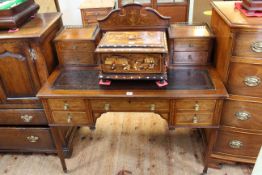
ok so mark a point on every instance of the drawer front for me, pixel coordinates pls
(70, 118)
(66, 104)
(26, 139)
(238, 143)
(23, 117)
(130, 105)
(73, 57)
(195, 105)
(95, 12)
(194, 58)
(248, 44)
(242, 114)
(191, 45)
(245, 79)
(193, 119)
(76, 46)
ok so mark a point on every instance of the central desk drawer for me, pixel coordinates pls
(69, 118)
(66, 104)
(195, 105)
(130, 105)
(203, 119)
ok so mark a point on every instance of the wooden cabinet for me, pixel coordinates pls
(176, 9)
(190, 44)
(76, 46)
(27, 58)
(238, 57)
(92, 10)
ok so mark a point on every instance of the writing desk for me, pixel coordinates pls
(72, 97)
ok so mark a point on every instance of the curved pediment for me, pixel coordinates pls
(134, 16)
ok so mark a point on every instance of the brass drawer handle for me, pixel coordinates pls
(107, 107)
(69, 118)
(27, 118)
(66, 106)
(257, 46)
(236, 144)
(197, 107)
(252, 81)
(152, 107)
(195, 119)
(242, 115)
(32, 139)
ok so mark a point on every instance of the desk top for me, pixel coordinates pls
(183, 82)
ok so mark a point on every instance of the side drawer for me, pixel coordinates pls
(245, 79)
(237, 143)
(195, 105)
(191, 45)
(27, 139)
(242, 114)
(22, 117)
(194, 120)
(130, 105)
(248, 44)
(71, 118)
(191, 58)
(66, 104)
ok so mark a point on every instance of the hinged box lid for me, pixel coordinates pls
(133, 41)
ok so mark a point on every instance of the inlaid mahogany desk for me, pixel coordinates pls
(72, 97)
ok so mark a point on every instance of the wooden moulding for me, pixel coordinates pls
(18, 15)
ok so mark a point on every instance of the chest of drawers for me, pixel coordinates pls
(91, 10)
(238, 58)
(27, 58)
(190, 44)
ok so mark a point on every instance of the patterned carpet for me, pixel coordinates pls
(124, 144)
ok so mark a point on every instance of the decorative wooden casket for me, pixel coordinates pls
(134, 44)
(133, 55)
(17, 15)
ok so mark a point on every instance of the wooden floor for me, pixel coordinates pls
(124, 144)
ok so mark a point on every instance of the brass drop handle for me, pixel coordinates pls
(242, 115)
(69, 118)
(190, 45)
(107, 107)
(257, 47)
(32, 139)
(235, 144)
(252, 81)
(195, 119)
(197, 107)
(152, 107)
(27, 118)
(66, 106)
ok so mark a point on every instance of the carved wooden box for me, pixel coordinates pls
(133, 55)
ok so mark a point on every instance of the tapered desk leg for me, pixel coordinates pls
(59, 147)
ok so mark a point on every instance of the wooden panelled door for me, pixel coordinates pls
(176, 9)
(17, 72)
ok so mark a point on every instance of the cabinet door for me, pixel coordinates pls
(18, 78)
